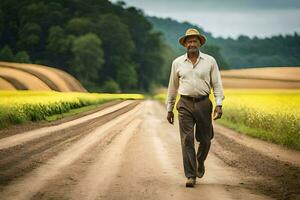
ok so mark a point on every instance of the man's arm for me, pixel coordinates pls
(217, 83)
(172, 93)
(217, 89)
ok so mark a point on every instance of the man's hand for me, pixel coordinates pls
(217, 112)
(170, 117)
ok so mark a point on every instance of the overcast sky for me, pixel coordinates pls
(262, 18)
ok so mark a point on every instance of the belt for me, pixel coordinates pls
(199, 98)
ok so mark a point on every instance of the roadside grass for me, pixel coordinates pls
(18, 107)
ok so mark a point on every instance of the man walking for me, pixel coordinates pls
(192, 76)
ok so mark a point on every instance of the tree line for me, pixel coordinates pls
(275, 51)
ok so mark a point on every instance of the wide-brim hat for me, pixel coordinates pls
(192, 32)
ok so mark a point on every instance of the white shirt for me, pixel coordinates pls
(194, 80)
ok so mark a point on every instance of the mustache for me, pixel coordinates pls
(192, 49)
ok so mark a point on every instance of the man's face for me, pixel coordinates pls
(192, 44)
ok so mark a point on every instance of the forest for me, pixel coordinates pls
(108, 47)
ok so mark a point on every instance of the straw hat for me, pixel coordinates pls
(192, 32)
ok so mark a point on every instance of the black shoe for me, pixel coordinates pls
(200, 170)
(190, 182)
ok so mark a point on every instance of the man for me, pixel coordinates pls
(192, 76)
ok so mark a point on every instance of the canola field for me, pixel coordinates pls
(20, 106)
(268, 114)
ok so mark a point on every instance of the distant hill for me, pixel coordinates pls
(172, 30)
(243, 52)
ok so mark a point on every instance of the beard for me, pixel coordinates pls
(192, 50)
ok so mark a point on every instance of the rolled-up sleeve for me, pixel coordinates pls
(172, 88)
(217, 83)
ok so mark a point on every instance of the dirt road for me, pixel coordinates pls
(129, 151)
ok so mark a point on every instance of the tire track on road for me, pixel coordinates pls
(103, 172)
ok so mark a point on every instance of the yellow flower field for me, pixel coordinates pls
(20, 106)
(272, 115)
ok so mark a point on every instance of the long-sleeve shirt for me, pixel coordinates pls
(194, 80)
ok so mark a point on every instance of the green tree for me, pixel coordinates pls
(119, 48)
(216, 53)
(22, 57)
(169, 56)
(88, 58)
(58, 48)
(6, 54)
(79, 26)
(111, 86)
(1, 22)
(29, 35)
(57, 41)
(126, 76)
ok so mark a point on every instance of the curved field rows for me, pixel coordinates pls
(22, 80)
(42, 77)
(254, 83)
(267, 73)
(6, 84)
(268, 77)
(73, 84)
(55, 79)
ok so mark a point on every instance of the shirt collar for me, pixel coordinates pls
(199, 56)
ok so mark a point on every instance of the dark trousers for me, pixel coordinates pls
(191, 113)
